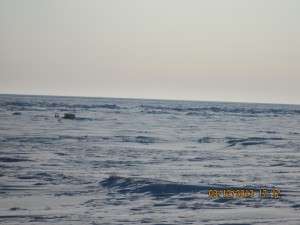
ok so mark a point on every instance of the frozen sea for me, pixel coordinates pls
(134, 161)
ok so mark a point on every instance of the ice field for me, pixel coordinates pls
(131, 161)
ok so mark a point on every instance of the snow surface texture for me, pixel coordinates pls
(123, 161)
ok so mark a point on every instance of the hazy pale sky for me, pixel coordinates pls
(214, 50)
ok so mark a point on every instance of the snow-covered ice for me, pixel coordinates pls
(125, 161)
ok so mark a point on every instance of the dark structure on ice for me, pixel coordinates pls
(69, 116)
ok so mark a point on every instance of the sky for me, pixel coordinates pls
(207, 50)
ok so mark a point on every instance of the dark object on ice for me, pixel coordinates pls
(17, 113)
(15, 208)
(56, 115)
(70, 116)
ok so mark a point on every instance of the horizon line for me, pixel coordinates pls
(162, 99)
